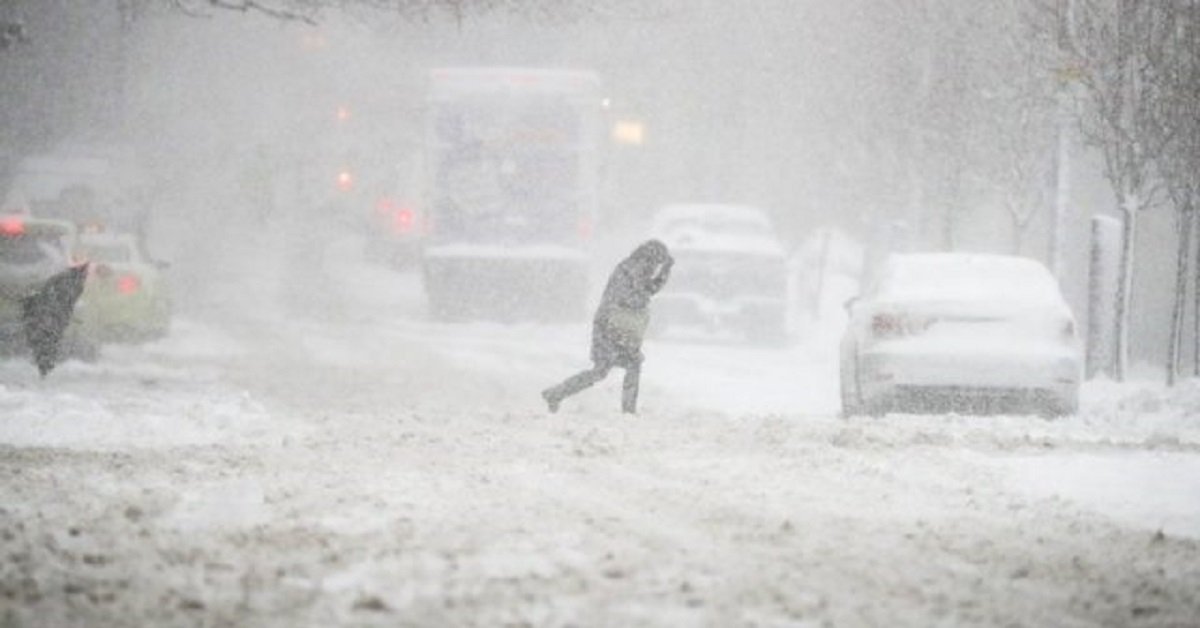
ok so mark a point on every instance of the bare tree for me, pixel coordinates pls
(925, 121)
(1113, 43)
(1176, 67)
(1020, 89)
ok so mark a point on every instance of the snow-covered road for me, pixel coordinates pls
(294, 459)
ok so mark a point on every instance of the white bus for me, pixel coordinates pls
(511, 161)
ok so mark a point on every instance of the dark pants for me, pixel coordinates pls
(599, 370)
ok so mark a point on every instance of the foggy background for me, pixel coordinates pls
(895, 122)
(312, 444)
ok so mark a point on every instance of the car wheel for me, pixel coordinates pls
(1060, 407)
(877, 409)
(851, 406)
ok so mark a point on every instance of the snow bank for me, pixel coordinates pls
(1152, 490)
(133, 400)
(1166, 417)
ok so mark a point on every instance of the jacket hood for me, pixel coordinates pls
(651, 251)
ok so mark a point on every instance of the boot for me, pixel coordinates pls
(552, 399)
(629, 389)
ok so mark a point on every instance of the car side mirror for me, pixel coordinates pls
(850, 303)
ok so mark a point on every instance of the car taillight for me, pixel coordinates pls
(891, 325)
(12, 226)
(884, 325)
(585, 227)
(402, 220)
(128, 284)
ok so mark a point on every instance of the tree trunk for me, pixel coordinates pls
(1124, 289)
(1183, 250)
(1018, 230)
(1196, 305)
(1062, 185)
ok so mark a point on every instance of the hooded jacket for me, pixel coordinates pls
(623, 314)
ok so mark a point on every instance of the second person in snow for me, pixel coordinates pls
(620, 324)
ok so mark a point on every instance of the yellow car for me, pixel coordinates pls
(126, 294)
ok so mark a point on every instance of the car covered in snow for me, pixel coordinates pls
(32, 250)
(730, 272)
(976, 333)
(126, 294)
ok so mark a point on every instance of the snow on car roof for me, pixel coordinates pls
(967, 276)
(36, 226)
(711, 213)
(716, 227)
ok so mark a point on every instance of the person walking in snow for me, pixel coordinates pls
(46, 314)
(620, 324)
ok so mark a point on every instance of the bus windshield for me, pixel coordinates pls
(508, 167)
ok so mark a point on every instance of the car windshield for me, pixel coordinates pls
(26, 249)
(731, 221)
(967, 279)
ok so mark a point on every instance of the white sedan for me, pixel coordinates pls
(960, 332)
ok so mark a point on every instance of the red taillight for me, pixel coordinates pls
(128, 284)
(885, 325)
(889, 325)
(12, 226)
(402, 220)
(585, 227)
